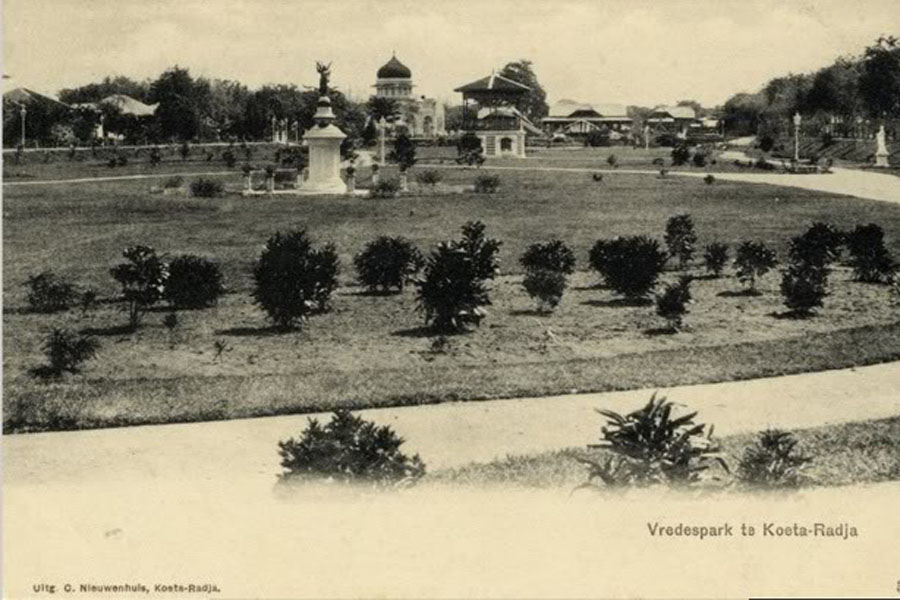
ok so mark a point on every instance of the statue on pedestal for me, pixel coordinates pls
(324, 73)
(881, 151)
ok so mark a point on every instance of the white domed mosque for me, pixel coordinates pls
(423, 117)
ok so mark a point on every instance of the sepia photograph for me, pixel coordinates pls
(450, 299)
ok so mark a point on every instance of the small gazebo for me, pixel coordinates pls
(497, 122)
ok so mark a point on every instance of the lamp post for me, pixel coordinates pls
(797, 119)
(22, 112)
(383, 126)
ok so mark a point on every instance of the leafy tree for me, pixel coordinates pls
(451, 293)
(869, 257)
(481, 249)
(404, 152)
(533, 104)
(182, 103)
(715, 256)
(380, 107)
(752, 261)
(672, 304)
(819, 246)
(48, 292)
(681, 238)
(94, 92)
(143, 280)
(804, 286)
(193, 282)
(880, 79)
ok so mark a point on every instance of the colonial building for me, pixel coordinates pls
(489, 112)
(423, 117)
(677, 120)
(578, 118)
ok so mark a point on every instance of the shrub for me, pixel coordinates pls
(229, 157)
(387, 263)
(819, 246)
(613, 161)
(175, 181)
(804, 286)
(546, 287)
(681, 154)
(386, 188)
(681, 238)
(709, 179)
(404, 152)
(597, 256)
(699, 159)
(122, 160)
(487, 184)
(450, 292)
(468, 142)
(430, 177)
(549, 256)
(112, 163)
(715, 256)
(66, 351)
(650, 446)
(481, 250)
(206, 188)
(193, 282)
(762, 163)
(349, 449)
(292, 279)
(752, 261)
(155, 157)
(184, 150)
(48, 292)
(630, 265)
(766, 143)
(672, 304)
(143, 280)
(772, 461)
(868, 255)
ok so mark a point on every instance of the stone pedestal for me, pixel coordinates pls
(324, 142)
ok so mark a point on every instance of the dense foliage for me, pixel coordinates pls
(773, 461)
(193, 282)
(349, 449)
(545, 286)
(387, 263)
(48, 292)
(553, 255)
(66, 351)
(292, 279)
(681, 238)
(869, 257)
(629, 265)
(143, 280)
(672, 303)
(715, 256)
(753, 260)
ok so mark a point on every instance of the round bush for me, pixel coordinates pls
(804, 287)
(349, 449)
(194, 282)
(387, 263)
(206, 188)
(672, 304)
(549, 256)
(630, 265)
(868, 255)
(715, 256)
(47, 293)
(451, 292)
(546, 287)
(293, 279)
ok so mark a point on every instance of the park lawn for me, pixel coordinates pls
(844, 454)
(373, 351)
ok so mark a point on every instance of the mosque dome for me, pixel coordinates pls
(394, 69)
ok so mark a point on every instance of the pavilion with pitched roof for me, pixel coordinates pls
(489, 111)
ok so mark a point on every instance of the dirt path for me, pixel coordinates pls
(445, 435)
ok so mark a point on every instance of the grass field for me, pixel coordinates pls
(373, 351)
(849, 453)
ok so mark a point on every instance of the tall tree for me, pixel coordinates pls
(880, 80)
(94, 92)
(534, 104)
(379, 107)
(182, 103)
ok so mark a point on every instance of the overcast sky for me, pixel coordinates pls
(630, 51)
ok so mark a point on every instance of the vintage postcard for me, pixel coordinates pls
(451, 299)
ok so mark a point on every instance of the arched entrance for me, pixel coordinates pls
(506, 145)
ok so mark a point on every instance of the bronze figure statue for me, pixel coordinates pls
(324, 73)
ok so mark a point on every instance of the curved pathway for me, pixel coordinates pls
(446, 435)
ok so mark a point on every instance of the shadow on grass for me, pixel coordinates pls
(747, 293)
(792, 315)
(530, 312)
(619, 302)
(423, 331)
(654, 331)
(108, 331)
(266, 331)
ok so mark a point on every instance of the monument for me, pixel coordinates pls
(324, 142)
(881, 151)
